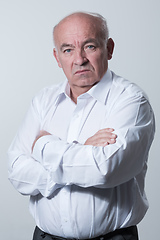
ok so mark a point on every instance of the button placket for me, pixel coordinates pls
(74, 128)
(64, 211)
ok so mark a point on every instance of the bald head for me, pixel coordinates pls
(96, 20)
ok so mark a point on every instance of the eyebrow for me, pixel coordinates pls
(64, 45)
(90, 40)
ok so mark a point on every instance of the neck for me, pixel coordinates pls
(75, 93)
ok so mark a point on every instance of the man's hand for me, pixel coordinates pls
(102, 138)
(41, 134)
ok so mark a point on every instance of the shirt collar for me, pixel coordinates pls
(64, 91)
(99, 92)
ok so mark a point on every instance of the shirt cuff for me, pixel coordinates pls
(40, 144)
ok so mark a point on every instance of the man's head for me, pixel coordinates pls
(82, 49)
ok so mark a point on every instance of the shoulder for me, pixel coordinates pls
(125, 88)
(127, 102)
(49, 91)
(48, 94)
(45, 100)
(125, 95)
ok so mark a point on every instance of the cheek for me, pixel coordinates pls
(98, 65)
(99, 61)
(66, 66)
(63, 61)
(101, 66)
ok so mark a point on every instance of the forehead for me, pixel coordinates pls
(77, 28)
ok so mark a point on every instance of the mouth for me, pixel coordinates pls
(79, 72)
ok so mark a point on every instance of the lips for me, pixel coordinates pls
(82, 71)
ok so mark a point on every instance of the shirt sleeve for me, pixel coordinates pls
(26, 174)
(103, 167)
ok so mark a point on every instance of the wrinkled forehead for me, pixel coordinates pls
(77, 26)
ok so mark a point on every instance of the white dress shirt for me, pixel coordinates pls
(81, 191)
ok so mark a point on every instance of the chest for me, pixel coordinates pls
(75, 122)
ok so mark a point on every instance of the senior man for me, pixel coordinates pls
(81, 152)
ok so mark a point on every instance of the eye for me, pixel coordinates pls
(67, 50)
(90, 47)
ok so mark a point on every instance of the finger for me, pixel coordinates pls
(105, 135)
(113, 136)
(106, 140)
(113, 140)
(109, 129)
(105, 130)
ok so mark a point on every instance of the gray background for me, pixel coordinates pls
(27, 65)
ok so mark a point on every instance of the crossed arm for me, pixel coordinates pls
(101, 138)
(31, 176)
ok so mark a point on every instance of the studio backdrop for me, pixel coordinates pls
(27, 65)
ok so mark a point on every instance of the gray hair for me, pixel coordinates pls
(103, 24)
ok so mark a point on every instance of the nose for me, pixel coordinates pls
(80, 57)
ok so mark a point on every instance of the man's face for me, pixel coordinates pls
(81, 52)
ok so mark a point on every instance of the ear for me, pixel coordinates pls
(55, 54)
(110, 47)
